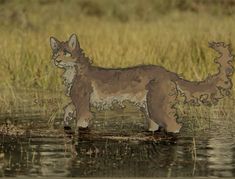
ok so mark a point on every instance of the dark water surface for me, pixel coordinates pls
(205, 153)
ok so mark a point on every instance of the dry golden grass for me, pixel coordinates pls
(183, 48)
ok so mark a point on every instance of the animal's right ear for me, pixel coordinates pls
(54, 43)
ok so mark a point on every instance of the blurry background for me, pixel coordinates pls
(113, 33)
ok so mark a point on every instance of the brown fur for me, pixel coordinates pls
(149, 87)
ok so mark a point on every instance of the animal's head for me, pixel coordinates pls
(65, 54)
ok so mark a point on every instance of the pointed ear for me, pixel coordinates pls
(54, 43)
(73, 42)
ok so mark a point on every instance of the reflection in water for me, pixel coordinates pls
(222, 150)
(62, 157)
(70, 156)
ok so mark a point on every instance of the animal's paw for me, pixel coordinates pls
(82, 123)
(153, 126)
(68, 130)
(84, 120)
(174, 128)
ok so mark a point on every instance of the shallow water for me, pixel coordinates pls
(205, 153)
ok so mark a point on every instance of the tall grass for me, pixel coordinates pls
(174, 34)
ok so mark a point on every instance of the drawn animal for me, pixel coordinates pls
(151, 88)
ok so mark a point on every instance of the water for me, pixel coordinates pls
(51, 152)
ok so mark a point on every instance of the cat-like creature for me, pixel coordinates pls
(153, 89)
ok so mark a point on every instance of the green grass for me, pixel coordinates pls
(174, 34)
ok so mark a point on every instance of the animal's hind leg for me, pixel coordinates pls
(82, 105)
(161, 97)
(152, 126)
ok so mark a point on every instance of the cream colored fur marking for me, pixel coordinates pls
(105, 101)
(69, 112)
(68, 77)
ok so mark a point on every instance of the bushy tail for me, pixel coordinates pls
(213, 87)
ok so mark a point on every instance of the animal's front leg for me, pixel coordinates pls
(69, 113)
(82, 104)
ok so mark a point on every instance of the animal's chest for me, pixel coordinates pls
(68, 77)
(102, 100)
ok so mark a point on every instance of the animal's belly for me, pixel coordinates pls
(105, 101)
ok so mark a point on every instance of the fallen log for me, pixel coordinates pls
(141, 136)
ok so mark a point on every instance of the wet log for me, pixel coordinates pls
(139, 137)
(87, 134)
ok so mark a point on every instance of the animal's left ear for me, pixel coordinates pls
(54, 43)
(73, 42)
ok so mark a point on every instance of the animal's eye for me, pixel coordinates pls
(67, 54)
